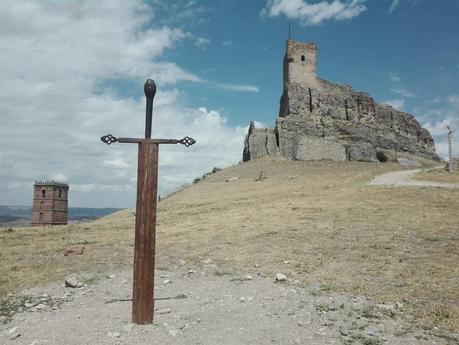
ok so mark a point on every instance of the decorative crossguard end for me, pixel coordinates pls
(187, 141)
(109, 139)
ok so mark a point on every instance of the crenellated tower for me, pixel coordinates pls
(50, 203)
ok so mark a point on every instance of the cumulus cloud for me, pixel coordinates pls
(309, 13)
(58, 62)
(436, 119)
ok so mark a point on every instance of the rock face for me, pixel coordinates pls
(319, 119)
(259, 142)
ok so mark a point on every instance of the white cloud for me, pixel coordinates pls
(58, 59)
(237, 87)
(436, 121)
(202, 42)
(227, 43)
(398, 87)
(309, 13)
(396, 103)
(394, 5)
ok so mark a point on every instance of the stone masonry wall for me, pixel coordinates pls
(50, 204)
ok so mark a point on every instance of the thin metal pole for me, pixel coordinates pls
(450, 150)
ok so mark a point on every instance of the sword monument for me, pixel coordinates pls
(145, 219)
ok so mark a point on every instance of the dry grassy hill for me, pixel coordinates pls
(317, 222)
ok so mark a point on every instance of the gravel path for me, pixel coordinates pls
(404, 179)
(218, 309)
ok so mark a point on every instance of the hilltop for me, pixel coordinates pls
(319, 223)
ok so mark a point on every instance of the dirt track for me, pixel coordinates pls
(404, 178)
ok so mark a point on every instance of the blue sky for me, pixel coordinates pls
(407, 54)
(72, 71)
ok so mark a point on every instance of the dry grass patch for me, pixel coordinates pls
(438, 175)
(388, 244)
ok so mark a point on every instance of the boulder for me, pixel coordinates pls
(362, 151)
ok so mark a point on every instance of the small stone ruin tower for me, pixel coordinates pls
(50, 203)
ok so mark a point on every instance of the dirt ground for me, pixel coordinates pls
(319, 223)
(208, 308)
(414, 178)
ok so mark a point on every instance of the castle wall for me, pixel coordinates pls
(311, 148)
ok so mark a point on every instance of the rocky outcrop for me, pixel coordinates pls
(319, 119)
(259, 142)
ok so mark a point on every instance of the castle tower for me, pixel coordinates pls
(50, 203)
(300, 69)
(300, 64)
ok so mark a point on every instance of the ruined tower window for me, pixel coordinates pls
(40, 217)
(60, 193)
(303, 59)
(42, 204)
(43, 193)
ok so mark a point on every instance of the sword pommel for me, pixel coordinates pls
(150, 88)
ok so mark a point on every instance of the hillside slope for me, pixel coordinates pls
(317, 222)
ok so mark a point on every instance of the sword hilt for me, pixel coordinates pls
(150, 91)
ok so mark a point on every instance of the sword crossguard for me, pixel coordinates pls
(109, 139)
(187, 141)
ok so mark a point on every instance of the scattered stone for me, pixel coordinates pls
(110, 276)
(281, 277)
(166, 281)
(232, 179)
(73, 282)
(74, 250)
(15, 336)
(248, 277)
(40, 307)
(173, 332)
(116, 335)
(164, 311)
(242, 299)
(12, 330)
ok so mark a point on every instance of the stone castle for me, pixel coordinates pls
(319, 120)
(50, 203)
